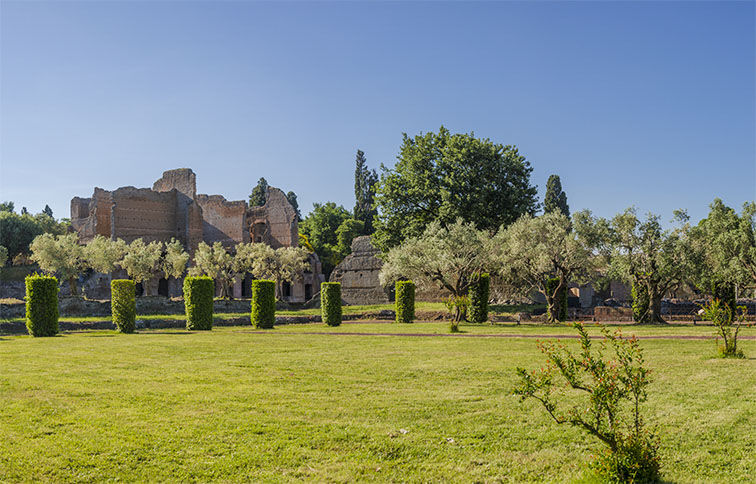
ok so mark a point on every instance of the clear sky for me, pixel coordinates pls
(631, 103)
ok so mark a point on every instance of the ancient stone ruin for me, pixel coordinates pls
(172, 208)
(358, 274)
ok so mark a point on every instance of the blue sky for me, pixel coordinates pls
(631, 103)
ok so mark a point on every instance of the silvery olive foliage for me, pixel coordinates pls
(534, 249)
(142, 260)
(175, 259)
(61, 254)
(442, 257)
(103, 254)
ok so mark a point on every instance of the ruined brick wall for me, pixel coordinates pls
(144, 213)
(281, 220)
(91, 216)
(223, 220)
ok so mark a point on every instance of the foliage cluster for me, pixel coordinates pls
(17, 231)
(123, 304)
(42, 305)
(198, 302)
(609, 390)
(263, 310)
(405, 301)
(639, 295)
(458, 307)
(728, 326)
(330, 303)
(442, 177)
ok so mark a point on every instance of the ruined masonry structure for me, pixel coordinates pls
(173, 209)
(358, 274)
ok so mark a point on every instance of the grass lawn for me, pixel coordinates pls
(238, 405)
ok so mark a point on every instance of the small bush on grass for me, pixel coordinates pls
(42, 305)
(721, 315)
(457, 307)
(725, 293)
(330, 303)
(263, 304)
(198, 301)
(123, 304)
(480, 291)
(405, 301)
(639, 295)
(611, 412)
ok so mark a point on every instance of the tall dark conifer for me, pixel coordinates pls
(365, 181)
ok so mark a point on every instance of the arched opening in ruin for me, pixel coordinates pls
(139, 289)
(308, 292)
(286, 289)
(163, 287)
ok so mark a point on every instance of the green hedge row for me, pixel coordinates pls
(123, 304)
(42, 305)
(198, 301)
(330, 303)
(551, 285)
(405, 301)
(263, 313)
(480, 291)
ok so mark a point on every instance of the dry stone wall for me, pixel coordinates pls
(358, 274)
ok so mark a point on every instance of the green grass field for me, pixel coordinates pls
(283, 405)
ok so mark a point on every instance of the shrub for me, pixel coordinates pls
(561, 300)
(42, 305)
(725, 292)
(198, 301)
(613, 389)
(405, 301)
(639, 295)
(457, 307)
(721, 315)
(480, 290)
(123, 304)
(263, 304)
(330, 303)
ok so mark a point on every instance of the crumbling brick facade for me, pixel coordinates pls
(173, 209)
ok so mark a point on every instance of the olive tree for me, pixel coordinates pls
(142, 260)
(535, 249)
(284, 264)
(650, 257)
(446, 257)
(60, 254)
(175, 259)
(725, 243)
(216, 262)
(103, 254)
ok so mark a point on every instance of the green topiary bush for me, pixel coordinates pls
(263, 304)
(405, 301)
(198, 301)
(480, 291)
(639, 295)
(330, 303)
(42, 305)
(123, 304)
(551, 285)
(725, 292)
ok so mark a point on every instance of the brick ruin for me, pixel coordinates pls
(172, 208)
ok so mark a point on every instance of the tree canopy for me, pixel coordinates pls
(555, 199)
(365, 181)
(327, 228)
(257, 197)
(443, 177)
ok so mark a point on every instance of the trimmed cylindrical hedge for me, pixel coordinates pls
(405, 301)
(480, 290)
(198, 301)
(263, 313)
(42, 305)
(123, 304)
(330, 303)
(639, 295)
(551, 285)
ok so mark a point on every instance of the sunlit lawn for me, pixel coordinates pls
(237, 405)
